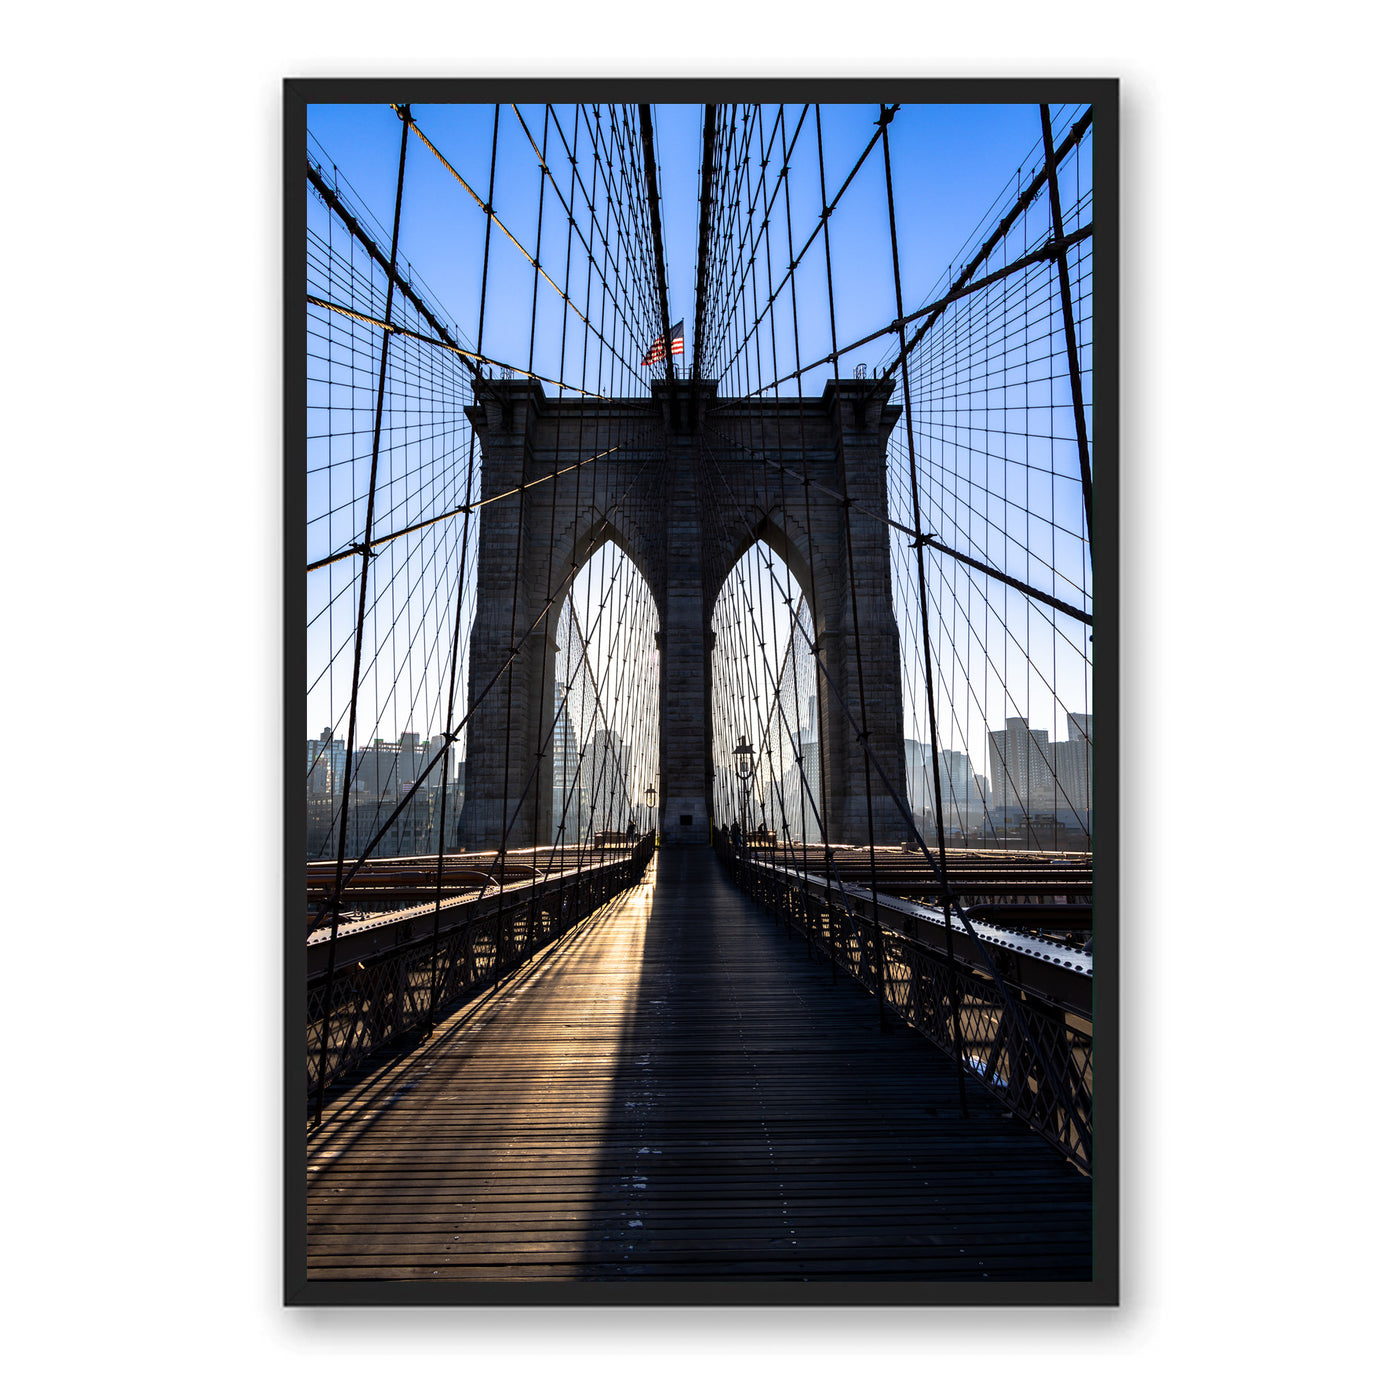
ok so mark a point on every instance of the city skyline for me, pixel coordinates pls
(1026, 776)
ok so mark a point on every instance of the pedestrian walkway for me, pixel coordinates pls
(678, 1090)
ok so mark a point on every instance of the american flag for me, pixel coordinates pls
(657, 353)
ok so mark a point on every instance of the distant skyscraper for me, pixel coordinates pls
(375, 769)
(317, 769)
(963, 792)
(794, 805)
(568, 801)
(1074, 764)
(918, 775)
(1021, 773)
(410, 761)
(606, 774)
(325, 764)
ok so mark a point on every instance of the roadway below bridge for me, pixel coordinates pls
(678, 1090)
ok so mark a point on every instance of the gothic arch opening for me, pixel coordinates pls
(764, 719)
(606, 701)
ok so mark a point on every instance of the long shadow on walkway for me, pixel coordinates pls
(679, 1091)
(762, 1126)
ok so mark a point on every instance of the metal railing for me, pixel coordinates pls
(1014, 1010)
(380, 993)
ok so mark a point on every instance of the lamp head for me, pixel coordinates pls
(744, 758)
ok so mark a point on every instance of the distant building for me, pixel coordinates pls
(605, 771)
(918, 772)
(965, 796)
(1073, 761)
(1042, 793)
(784, 802)
(1022, 775)
(386, 767)
(413, 832)
(374, 769)
(568, 799)
(792, 806)
(380, 776)
(411, 761)
(800, 808)
(963, 792)
(325, 764)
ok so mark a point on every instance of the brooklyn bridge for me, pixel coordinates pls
(699, 693)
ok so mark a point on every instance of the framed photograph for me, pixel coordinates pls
(701, 736)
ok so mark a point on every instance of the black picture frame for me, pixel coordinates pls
(1103, 1290)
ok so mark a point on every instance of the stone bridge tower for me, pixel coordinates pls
(684, 482)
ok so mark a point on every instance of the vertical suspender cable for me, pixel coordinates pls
(457, 621)
(823, 711)
(1067, 310)
(515, 578)
(360, 632)
(935, 754)
(851, 578)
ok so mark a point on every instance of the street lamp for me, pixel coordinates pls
(745, 765)
(651, 803)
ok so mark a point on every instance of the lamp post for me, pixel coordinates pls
(651, 805)
(745, 765)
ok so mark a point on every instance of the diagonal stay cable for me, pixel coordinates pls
(334, 907)
(495, 219)
(1022, 203)
(447, 345)
(473, 505)
(919, 539)
(564, 204)
(887, 114)
(1048, 251)
(606, 519)
(902, 807)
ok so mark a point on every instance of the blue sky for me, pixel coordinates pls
(951, 163)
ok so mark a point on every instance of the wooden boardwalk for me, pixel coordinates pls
(677, 1091)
